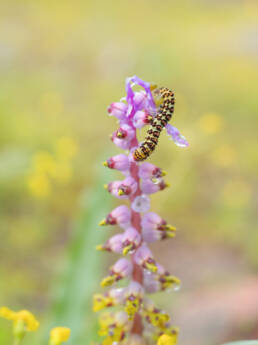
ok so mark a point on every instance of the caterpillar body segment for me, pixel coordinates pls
(165, 112)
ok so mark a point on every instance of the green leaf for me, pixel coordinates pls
(82, 272)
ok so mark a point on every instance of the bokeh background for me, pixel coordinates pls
(61, 64)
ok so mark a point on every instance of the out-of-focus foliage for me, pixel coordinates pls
(247, 342)
(61, 64)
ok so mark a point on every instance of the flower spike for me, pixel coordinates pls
(144, 104)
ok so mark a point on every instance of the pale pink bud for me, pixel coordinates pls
(121, 216)
(141, 119)
(119, 162)
(153, 221)
(148, 187)
(122, 268)
(130, 240)
(118, 109)
(140, 99)
(150, 282)
(123, 189)
(150, 171)
(155, 228)
(134, 289)
(118, 295)
(143, 257)
(113, 244)
(123, 136)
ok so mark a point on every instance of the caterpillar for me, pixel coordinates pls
(163, 116)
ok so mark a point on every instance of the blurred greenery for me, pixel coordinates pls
(244, 342)
(61, 64)
(82, 269)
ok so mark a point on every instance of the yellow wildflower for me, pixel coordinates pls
(39, 185)
(101, 302)
(29, 320)
(44, 163)
(58, 335)
(66, 148)
(166, 339)
(211, 123)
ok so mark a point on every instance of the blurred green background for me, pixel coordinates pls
(61, 64)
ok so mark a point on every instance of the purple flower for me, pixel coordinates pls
(139, 226)
(123, 136)
(121, 216)
(121, 269)
(149, 187)
(130, 240)
(175, 135)
(141, 119)
(144, 258)
(123, 189)
(113, 244)
(118, 162)
(118, 109)
(150, 171)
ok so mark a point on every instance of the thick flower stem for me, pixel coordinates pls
(137, 275)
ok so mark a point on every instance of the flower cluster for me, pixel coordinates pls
(24, 321)
(132, 316)
(52, 167)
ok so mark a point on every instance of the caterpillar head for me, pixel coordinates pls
(157, 96)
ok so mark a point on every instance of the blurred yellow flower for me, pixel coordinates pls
(66, 148)
(30, 322)
(43, 162)
(166, 339)
(39, 185)
(59, 335)
(224, 155)
(211, 123)
(236, 193)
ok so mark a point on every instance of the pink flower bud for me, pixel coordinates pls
(123, 136)
(121, 216)
(119, 162)
(118, 109)
(123, 189)
(143, 257)
(141, 119)
(122, 268)
(150, 282)
(150, 171)
(155, 228)
(113, 244)
(130, 240)
(152, 220)
(148, 187)
(140, 100)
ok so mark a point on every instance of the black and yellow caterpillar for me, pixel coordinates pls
(163, 116)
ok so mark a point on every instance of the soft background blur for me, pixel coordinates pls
(61, 64)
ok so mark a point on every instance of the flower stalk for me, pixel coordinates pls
(139, 319)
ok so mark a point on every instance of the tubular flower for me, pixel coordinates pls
(59, 335)
(138, 272)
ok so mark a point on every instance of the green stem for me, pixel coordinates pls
(17, 341)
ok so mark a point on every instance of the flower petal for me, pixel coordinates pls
(175, 135)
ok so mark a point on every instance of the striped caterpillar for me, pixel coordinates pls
(163, 116)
